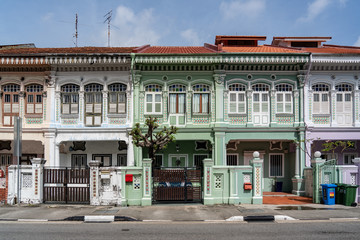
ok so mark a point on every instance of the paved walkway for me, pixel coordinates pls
(281, 198)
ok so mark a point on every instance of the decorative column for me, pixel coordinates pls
(300, 103)
(136, 98)
(94, 182)
(297, 180)
(220, 149)
(273, 122)
(81, 107)
(57, 107)
(298, 109)
(357, 106)
(188, 107)
(22, 106)
(333, 120)
(257, 165)
(316, 162)
(165, 97)
(50, 108)
(208, 178)
(105, 107)
(37, 172)
(49, 146)
(219, 99)
(56, 161)
(249, 107)
(130, 153)
(147, 185)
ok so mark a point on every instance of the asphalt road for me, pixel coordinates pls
(180, 230)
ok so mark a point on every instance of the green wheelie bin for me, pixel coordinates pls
(339, 193)
(350, 195)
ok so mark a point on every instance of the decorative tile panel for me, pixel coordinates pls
(94, 183)
(44, 109)
(285, 120)
(147, 181)
(247, 178)
(208, 180)
(36, 181)
(258, 181)
(201, 120)
(117, 121)
(213, 106)
(136, 182)
(34, 120)
(237, 120)
(353, 178)
(69, 121)
(321, 120)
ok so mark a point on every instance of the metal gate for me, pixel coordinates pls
(177, 185)
(324, 173)
(66, 185)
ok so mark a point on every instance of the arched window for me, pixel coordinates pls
(153, 99)
(344, 104)
(237, 98)
(284, 98)
(70, 99)
(117, 98)
(261, 103)
(201, 100)
(93, 104)
(177, 98)
(321, 103)
(34, 99)
(10, 101)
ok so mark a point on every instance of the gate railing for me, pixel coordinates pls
(177, 184)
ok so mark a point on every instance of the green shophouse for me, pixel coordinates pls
(228, 101)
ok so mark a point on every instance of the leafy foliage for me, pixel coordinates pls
(153, 140)
(331, 146)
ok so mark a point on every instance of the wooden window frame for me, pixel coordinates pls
(34, 94)
(12, 95)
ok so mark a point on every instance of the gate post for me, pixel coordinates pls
(356, 162)
(208, 178)
(38, 179)
(316, 162)
(94, 182)
(147, 182)
(257, 165)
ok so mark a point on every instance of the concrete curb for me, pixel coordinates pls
(99, 219)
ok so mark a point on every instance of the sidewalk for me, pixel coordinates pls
(176, 212)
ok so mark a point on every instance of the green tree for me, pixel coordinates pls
(153, 140)
(331, 146)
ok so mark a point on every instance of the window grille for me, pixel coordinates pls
(201, 88)
(236, 87)
(70, 88)
(11, 88)
(343, 87)
(260, 87)
(117, 87)
(232, 160)
(34, 88)
(283, 88)
(94, 87)
(218, 181)
(320, 88)
(153, 88)
(276, 165)
(136, 182)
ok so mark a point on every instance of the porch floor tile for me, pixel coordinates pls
(281, 198)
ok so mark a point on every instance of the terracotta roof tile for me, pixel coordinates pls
(261, 49)
(74, 50)
(177, 50)
(334, 49)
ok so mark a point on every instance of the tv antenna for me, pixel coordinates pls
(76, 30)
(108, 20)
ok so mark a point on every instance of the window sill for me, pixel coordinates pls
(284, 114)
(153, 114)
(237, 114)
(72, 116)
(33, 115)
(116, 115)
(322, 115)
(201, 114)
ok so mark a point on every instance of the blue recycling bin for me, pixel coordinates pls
(328, 193)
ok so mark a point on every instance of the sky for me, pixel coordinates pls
(51, 23)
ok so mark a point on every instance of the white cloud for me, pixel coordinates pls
(241, 8)
(191, 37)
(317, 7)
(133, 29)
(357, 42)
(47, 17)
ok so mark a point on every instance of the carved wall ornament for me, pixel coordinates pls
(201, 145)
(79, 145)
(5, 145)
(122, 145)
(275, 145)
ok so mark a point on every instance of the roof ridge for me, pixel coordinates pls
(340, 46)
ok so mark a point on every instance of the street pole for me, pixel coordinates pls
(17, 151)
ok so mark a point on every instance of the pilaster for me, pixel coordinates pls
(208, 179)
(220, 149)
(147, 186)
(94, 182)
(37, 173)
(257, 165)
(316, 162)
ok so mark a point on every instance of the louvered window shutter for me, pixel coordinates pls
(65, 108)
(38, 108)
(30, 108)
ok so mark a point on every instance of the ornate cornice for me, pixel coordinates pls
(335, 59)
(265, 59)
(177, 59)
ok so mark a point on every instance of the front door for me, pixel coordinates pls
(178, 160)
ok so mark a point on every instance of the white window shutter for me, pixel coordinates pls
(38, 108)
(7, 120)
(97, 120)
(74, 108)
(97, 107)
(89, 108)
(121, 108)
(7, 108)
(30, 108)
(65, 108)
(15, 108)
(324, 107)
(112, 108)
(89, 120)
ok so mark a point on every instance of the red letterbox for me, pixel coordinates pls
(247, 186)
(128, 178)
